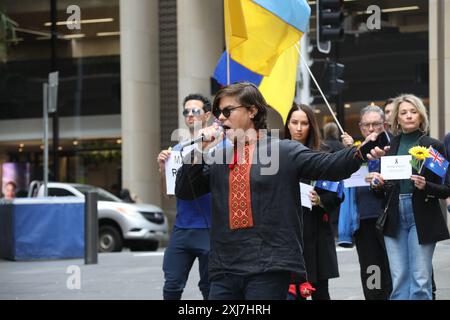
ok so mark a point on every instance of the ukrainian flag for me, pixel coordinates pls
(261, 37)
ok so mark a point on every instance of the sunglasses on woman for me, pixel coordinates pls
(225, 111)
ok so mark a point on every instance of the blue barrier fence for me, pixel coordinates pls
(42, 228)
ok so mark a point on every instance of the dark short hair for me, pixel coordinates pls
(388, 101)
(313, 139)
(330, 130)
(248, 95)
(202, 98)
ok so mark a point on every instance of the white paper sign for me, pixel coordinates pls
(357, 178)
(304, 195)
(396, 167)
(172, 165)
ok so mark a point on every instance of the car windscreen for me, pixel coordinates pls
(103, 195)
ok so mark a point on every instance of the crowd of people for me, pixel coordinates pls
(250, 231)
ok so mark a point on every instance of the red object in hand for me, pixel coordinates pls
(306, 289)
(292, 289)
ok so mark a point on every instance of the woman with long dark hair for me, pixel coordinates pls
(318, 239)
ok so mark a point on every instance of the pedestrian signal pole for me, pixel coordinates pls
(329, 19)
(50, 98)
(303, 92)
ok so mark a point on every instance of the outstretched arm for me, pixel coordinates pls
(325, 166)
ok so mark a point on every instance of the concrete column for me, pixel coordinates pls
(140, 98)
(439, 59)
(200, 44)
(439, 44)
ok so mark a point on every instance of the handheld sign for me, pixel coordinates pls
(396, 167)
(305, 189)
(357, 179)
(174, 163)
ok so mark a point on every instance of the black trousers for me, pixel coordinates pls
(372, 253)
(185, 246)
(260, 286)
(322, 292)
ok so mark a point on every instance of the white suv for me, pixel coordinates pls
(134, 225)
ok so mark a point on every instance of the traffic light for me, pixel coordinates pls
(333, 73)
(329, 17)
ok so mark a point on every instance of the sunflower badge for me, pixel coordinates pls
(357, 143)
(419, 154)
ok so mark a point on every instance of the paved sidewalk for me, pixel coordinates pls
(134, 275)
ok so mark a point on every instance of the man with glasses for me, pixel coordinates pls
(190, 236)
(369, 241)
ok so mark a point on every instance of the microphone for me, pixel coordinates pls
(192, 141)
(202, 137)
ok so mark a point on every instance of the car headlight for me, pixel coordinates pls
(129, 212)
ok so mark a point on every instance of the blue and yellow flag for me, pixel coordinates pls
(261, 37)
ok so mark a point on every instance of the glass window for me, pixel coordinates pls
(88, 61)
(103, 195)
(59, 192)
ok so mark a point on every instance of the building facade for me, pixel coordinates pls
(124, 73)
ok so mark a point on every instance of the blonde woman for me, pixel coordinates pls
(414, 220)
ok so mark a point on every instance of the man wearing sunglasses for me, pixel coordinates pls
(256, 230)
(190, 236)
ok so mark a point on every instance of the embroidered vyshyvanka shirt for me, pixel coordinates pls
(239, 202)
(274, 240)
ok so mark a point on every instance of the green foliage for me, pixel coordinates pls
(96, 153)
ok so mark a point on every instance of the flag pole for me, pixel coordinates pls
(227, 39)
(320, 89)
(228, 68)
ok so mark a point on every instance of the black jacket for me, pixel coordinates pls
(332, 145)
(274, 243)
(319, 245)
(430, 223)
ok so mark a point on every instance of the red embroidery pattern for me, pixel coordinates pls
(240, 204)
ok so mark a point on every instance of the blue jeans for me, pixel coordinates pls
(410, 262)
(184, 247)
(261, 286)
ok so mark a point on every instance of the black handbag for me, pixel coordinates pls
(381, 221)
